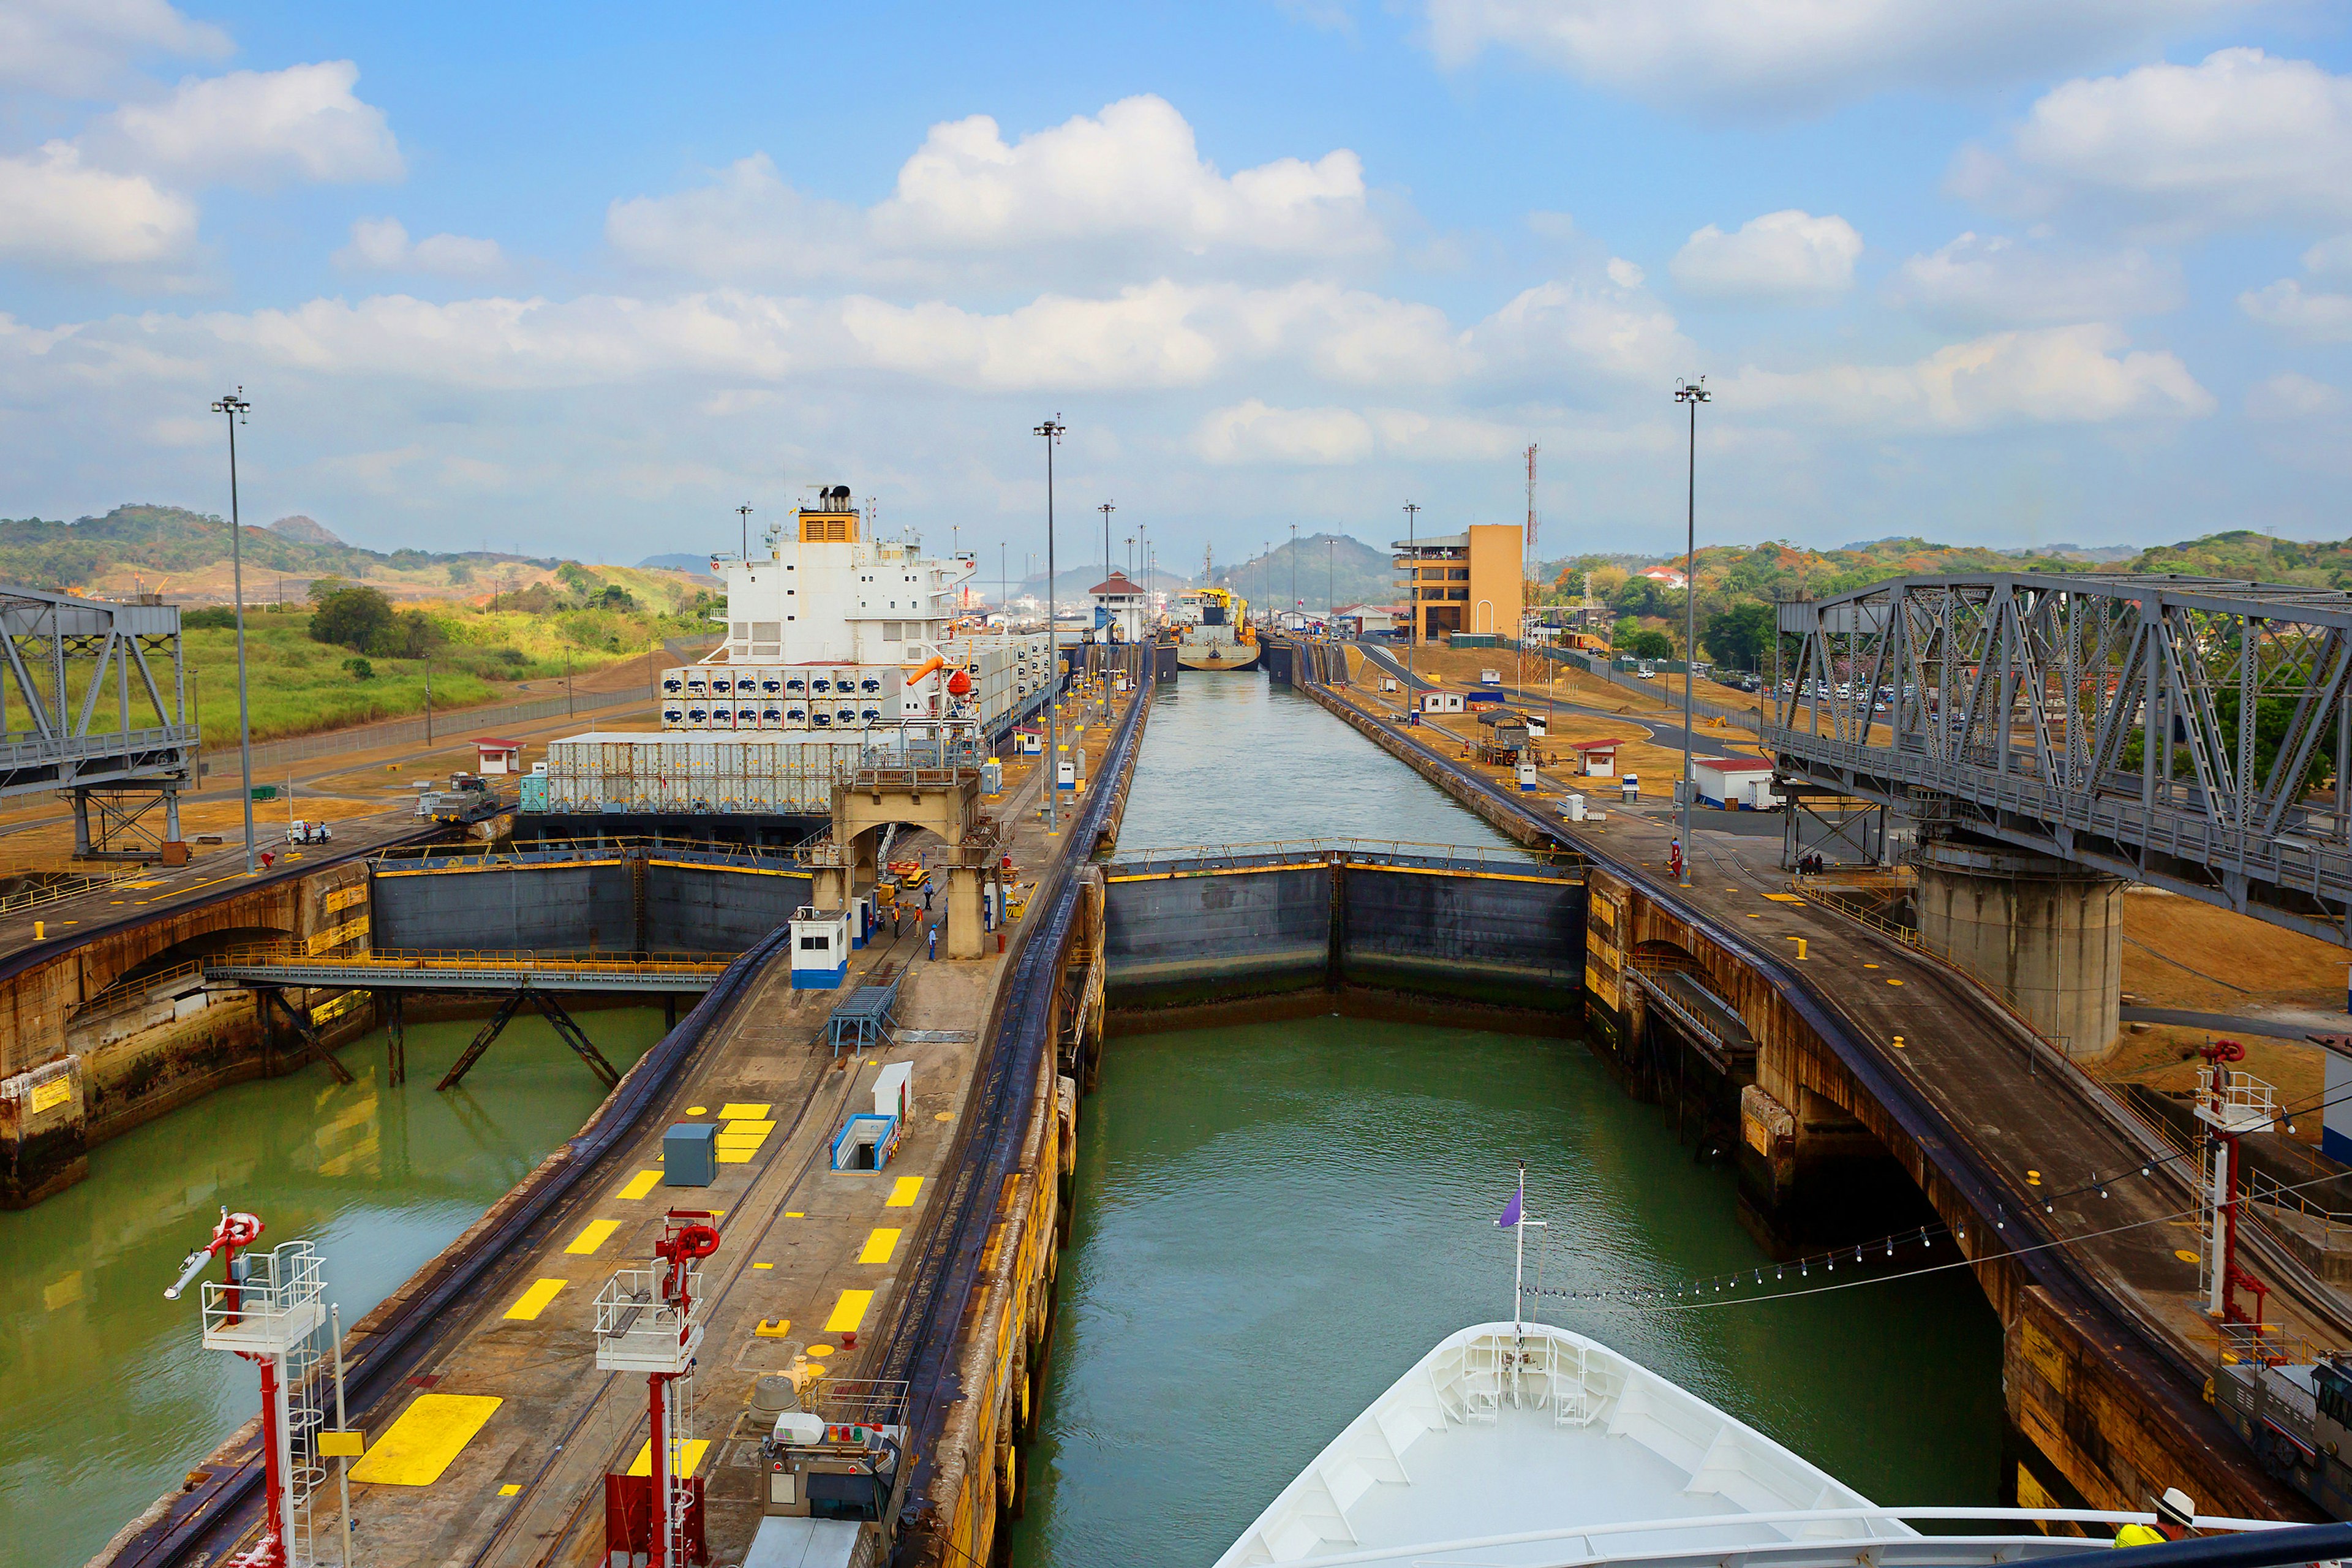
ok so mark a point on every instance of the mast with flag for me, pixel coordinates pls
(1514, 1213)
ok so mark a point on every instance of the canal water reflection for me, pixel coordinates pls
(106, 1398)
(1274, 1221)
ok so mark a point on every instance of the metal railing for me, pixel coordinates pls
(74, 887)
(591, 963)
(556, 851)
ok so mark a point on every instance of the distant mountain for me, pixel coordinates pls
(305, 528)
(679, 560)
(1326, 569)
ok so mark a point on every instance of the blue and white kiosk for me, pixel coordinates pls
(820, 949)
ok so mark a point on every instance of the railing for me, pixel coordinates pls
(74, 887)
(275, 1305)
(440, 856)
(593, 962)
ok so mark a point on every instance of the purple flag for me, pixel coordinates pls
(1511, 1213)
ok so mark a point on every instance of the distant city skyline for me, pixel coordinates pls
(585, 280)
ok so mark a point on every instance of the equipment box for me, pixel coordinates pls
(690, 1154)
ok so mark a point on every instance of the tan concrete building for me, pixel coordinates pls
(1469, 582)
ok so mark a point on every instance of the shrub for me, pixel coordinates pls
(355, 618)
(359, 669)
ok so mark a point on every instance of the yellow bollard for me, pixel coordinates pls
(40, 930)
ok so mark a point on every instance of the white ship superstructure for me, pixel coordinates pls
(841, 651)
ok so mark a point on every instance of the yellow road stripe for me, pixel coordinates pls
(736, 1156)
(746, 1127)
(734, 1110)
(592, 1235)
(533, 1301)
(641, 1184)
(878, 1246)
(416, 1449)
(849, 1311)
(510, 1490)
(690, 1455)
(902, 1193)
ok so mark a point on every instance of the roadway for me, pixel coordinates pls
(2030, 1126)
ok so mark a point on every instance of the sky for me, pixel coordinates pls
(584, 280)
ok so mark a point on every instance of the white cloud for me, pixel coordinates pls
(2052, 375)
(1717, 57)
(2331, 257)
(1416, 437)
(2241, 138)
(2313, 317)
(1250, 432)
(257, 128)
(1623, 273)
(1145, 337)
(55, 212)
(382, 244)
(1991, 280)
(1562, 327)
(2288, 395)
(74, 47)
(1131, 178)
(1788, 257)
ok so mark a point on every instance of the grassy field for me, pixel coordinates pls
(300, 687)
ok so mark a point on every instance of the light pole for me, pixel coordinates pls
(745, 513)
(1052, 431)
(1694, 394)
(1412, 599)
(1107, 509)
(1294, 568)
(239, 409)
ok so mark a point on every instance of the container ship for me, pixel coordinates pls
(1212, 630)
(842, 651)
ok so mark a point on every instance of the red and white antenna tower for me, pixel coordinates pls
(269, 1309)
(650, 1321)
(1531, 501)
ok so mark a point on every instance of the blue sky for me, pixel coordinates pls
(585, 279)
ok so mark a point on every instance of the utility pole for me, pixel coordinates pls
(238, 410)
(1412, 599)
(1294, 568)
(745, 513)
(1526, 574)
(1052, 431)
(1693, 394)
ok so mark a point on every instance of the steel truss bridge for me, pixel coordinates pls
(2193, 734)
(84, 709)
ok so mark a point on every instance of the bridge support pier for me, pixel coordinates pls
(963, 912)
(1812, 1177)
(2045, 934)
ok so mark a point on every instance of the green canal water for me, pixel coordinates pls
(106, 1398)
(1274, 1221)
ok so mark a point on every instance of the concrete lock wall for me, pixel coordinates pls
(570, 905)
(1187, 938)
(2045, 934)
(714, 909)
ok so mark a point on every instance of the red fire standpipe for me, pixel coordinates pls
(659, 1489)
(273, 1538)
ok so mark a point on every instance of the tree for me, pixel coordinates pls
(1741, 636)
(1603, 580)
(355, 618)
(325, 588)
(1648, 643)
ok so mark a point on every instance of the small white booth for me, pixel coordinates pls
(820, 949)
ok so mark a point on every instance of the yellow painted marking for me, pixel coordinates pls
(641, 1184)
(902, 1193)
(533, 1301)
(592, 1235)
(698, 1111)
(879, 1246)
(1776, 898)
(773, 1328)
(2184, 1255)
(749, 1127)
(341, 1445)
(1870, 966)
(763, 1265)
(690, 1455)
(820, 1351)
(736, 1156)
(430, 1433)
(849, 1311)
(510, 1490)
(736, 1111)
(1891, 980)
(795, 1214)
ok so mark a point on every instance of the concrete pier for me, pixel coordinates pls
(2045, 935)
